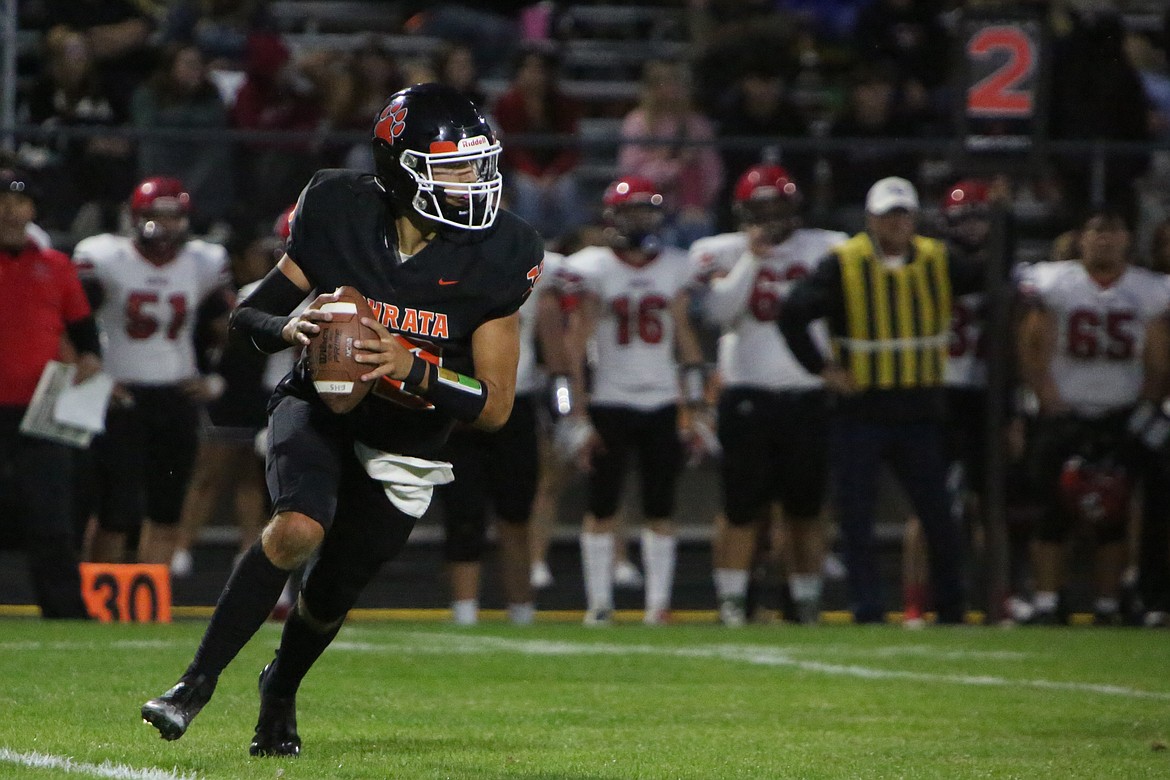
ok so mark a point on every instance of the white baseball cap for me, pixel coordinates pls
(891, 193)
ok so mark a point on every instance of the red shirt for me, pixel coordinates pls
(42, 295)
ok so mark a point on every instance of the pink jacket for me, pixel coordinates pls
(689, 175)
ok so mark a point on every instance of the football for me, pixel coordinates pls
(335, 373)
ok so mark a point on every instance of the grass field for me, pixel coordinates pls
(426, 700)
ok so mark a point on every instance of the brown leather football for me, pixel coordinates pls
(335, 373)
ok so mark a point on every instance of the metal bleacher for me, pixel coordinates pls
(323, 16)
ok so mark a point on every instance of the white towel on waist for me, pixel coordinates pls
(409, 482)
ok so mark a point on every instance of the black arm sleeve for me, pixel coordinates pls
(810, 299)
(262, 315)
(94, 292)
(208, 338)
(83, 334)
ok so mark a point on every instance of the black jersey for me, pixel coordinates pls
(343, 234)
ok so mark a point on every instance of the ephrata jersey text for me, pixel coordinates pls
(345, 234)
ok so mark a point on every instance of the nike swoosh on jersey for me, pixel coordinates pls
(446, 282)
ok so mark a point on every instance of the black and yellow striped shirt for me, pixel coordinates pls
(889, 325)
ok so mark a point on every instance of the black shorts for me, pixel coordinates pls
(775, 448)
(966, 433)
(312, 469)
(653, 436)
(1060, 438)
(143, 461)
(311, 466)
(493, 471)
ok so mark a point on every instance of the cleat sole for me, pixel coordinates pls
(168, 729)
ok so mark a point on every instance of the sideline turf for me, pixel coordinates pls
(415, 700)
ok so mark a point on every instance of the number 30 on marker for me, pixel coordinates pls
(127, 593)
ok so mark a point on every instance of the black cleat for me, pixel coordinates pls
(276, 728)
(173, 712)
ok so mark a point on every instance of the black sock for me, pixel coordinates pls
(300, 647)
(247, 600)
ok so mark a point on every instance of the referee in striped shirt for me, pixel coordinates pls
(886, 296)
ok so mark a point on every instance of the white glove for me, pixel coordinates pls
(260, 443)
(570, 435)
(701, 441)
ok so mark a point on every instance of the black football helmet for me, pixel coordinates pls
(17, 181)
(425, 129)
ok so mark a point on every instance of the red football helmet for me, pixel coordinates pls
(965, 196)
(767, 198)
(631, 191)
(283, 227)
(764, 182)
(1096, 493)
(160, 207)
(634, 214)
(965, 208)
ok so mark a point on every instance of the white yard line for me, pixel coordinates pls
(119, 644)
(761, 655)
(104, 769)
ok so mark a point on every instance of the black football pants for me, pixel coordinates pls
(36, 485)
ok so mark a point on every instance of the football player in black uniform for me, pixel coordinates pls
(444, 271)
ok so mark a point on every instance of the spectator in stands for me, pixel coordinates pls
(276, 96)
(218, 28)
(490, 36)
(1149, 61)
(375, 75)
(97, 170)
(909, 35)
(730, 37)
(832, 20)
(758, 105)
(371, 73)
(541, 178)
(887, 381)
(180, 95)
(1097, 94)
(873, 110)
(455, 66)
(666, 141)
(419, 70)
(36, 474)
(117, 35)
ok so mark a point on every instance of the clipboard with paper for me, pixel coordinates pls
(66, 413)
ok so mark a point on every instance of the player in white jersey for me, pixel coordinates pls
(152, 293)
(1094, 343)
(498, 471)
(966, 212)
(772, 413)
(633, 306)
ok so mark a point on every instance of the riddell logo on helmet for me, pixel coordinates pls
(473, 143)
(391, 123)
